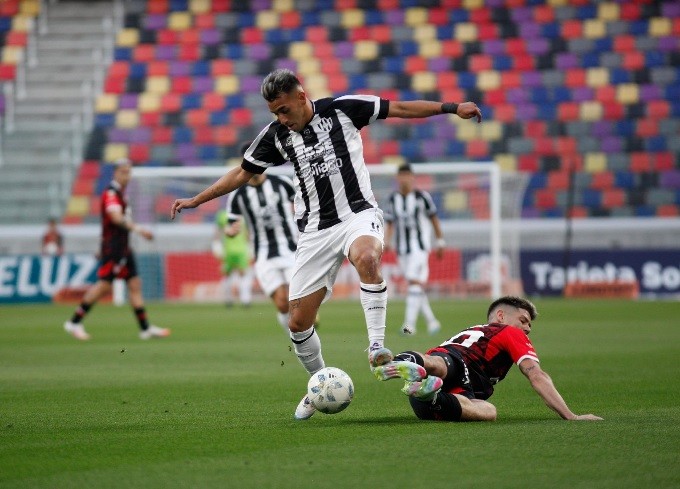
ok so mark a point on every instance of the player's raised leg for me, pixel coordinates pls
(75, 327)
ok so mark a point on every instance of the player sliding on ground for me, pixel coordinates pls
(453, 381)
(335, 209)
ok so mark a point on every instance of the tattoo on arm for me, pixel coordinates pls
(295, 304)
(526, 370)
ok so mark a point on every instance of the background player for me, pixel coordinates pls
(336, 212)
(116, 258)
(452, 381)
(413, 214)
(231, 246)
(265, 205)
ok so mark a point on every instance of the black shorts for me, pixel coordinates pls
(457, 379)
(113, 267)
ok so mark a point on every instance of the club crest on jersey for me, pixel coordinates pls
(325, 124)
(289, 141)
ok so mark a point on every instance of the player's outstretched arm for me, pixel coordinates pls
(234, 179)
(543, 385)
(414, 109)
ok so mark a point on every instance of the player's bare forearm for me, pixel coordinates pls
(234, 179)
(415, 109)
(544, 387)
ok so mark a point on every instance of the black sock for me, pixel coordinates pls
(140, 312)
(80, 312)
(410, 356)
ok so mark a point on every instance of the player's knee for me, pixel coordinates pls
(367, 261)
(298, 323)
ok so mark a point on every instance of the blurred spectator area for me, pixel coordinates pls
(579, 91)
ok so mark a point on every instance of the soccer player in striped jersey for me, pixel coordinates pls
(452, 381)
(412, 214)
(335, 209)
(116, 258)
(265, 204)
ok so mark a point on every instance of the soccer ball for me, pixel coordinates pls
(330, 390)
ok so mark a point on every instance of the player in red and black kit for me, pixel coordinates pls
(453, 381)
(116, 258)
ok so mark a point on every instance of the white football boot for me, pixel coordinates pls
(77, 330)
(154, 332)
(304, 410)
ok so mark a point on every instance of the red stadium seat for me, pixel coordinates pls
(150, 119)
(668, 210)
(641, 162)
(602, 180)
(545, 198)
(225, 134)
(213, 102)
(511, 79)
(197, 117)
(139, 153)
(290, 20)
(572, 29)
(663, 161)
(558, 180)
(161, 135)
(221, 67)
(181, 84)
(613, 198)
(528, 163)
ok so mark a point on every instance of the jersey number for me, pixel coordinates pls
(473, 337)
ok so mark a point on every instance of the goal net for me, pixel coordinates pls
(477, 204)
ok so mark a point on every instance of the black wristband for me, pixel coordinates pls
(449, 108)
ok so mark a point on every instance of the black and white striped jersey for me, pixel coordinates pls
(331, 179)
(267, 211)
(410, 214)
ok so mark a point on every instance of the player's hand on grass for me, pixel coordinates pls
(468, 110)
(587, 417)
(180, 204)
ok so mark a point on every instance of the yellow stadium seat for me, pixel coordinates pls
(491, 130)
(595, 162)
(558, 3)
(396, 160)
(415, 16)
(597, 77)
(472, 4)
(659, 27)
(488, 80)
(127, 118)
(308, 67)
(455, 200)
(627, 93)
(300, 50)
(128, 37)
(465, 32)
(22, 23)
(366, 50)
(352, 18)
(78, 205)
(591, 111)
(594, 29)
(158, 84)
(316, 86)
(149, 102)
(106, 103)
(227, 85)
(115, 151)
(507, 162)
(608, 11)
(12, 54)
(179, 21)
(199, 6)
(430, 49)
(30, 7)
(467, 131)
(267, 20)
(283, 5)
(424, 81)
(425, 32)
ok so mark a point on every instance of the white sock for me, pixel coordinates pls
(374, 301)
(225, 285)
(426, 309)
(308, 350)
(413, 300)
(245, 287)
(282, 318)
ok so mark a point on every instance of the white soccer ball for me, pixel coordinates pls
(330, 390)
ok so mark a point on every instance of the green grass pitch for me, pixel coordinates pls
(212, 405)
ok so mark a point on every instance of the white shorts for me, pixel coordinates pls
(273, 273)
(321, 253)
(415, 266)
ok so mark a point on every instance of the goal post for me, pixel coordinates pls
(475, 201)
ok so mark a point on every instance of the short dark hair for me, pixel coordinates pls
(405, 168)
(513, 301)
(278, 82)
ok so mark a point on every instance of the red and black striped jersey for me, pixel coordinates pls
(489, 350)
(114, 239)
